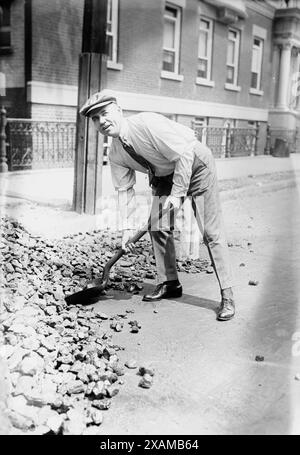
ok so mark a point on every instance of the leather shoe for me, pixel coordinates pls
(226, 310)
(164, 291)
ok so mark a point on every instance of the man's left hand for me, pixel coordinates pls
(172, 202)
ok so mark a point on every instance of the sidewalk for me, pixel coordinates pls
(55, 186)
(42, 199)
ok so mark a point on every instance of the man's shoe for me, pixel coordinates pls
(164, 291)
(226, 310)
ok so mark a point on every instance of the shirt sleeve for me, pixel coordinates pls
(127, 209)
(123, 178)
(182, 175)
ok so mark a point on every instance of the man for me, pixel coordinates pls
(178, 166)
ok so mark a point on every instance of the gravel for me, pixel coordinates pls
(64, 368)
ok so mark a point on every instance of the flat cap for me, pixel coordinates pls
(98, 100)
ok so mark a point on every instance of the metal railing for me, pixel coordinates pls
(39, 144)
(292, 137)
(226, 142)
(32, 144)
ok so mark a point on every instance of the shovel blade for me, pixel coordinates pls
(86, 296)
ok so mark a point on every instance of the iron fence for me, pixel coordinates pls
(37, 144)
(292, 138)
(229, 141)
(33, 144)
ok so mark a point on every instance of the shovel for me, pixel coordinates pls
(96, 288)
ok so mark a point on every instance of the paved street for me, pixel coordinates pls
(207, 380)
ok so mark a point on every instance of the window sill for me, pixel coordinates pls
(114, 65)
(206, 82)
(172, 76)
(254, 91)
(232, 87)
(6, 50)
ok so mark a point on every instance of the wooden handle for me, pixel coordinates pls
(135, 238)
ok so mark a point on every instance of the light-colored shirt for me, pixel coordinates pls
(166, 144)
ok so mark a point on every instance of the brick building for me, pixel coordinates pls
(201, 62)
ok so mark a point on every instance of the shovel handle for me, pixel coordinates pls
(135, 238)
(121, 252)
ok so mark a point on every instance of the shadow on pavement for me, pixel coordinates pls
(188, 299)
(199, 302)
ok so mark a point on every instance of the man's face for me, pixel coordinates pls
(108, 120)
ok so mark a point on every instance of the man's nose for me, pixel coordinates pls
(101, 120)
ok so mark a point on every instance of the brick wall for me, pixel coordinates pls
(57, 29)
(53, 113)
(56, 40)
(140, 52)
(140, 47)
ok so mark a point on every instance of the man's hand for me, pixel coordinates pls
(127, 233)
(172, 201)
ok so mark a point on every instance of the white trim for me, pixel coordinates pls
(114, 65)
(181, 106)
(114, 28)
(237, 7)
(2, 84)
(177, 30)
(203, 123)
(45, 93)
(263, 9)
(260, 49)
(259, 32)
(48, 93)
(232, 87)
(171, 76)
(278, 110)
(236, 56)
(206, 82)
(209, 33)
(180, 3)
(254, 91)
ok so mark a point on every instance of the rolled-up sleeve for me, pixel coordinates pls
(182, 174)
(123, 178)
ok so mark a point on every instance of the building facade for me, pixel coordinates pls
(205, 63)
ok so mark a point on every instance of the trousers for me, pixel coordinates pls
(204, 193)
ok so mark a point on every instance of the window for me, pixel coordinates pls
(199, 125)
(232, 57)
(171, 39)
(5, 31)
(200, 121)
(256, 65)
(205, 49)
(171, 117)
(112, 34)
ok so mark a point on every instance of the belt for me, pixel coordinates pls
(156, 181)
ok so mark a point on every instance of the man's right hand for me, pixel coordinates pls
(127, 233)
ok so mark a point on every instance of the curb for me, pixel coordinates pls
(253, 190)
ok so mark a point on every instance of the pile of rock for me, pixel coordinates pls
(63, 366)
